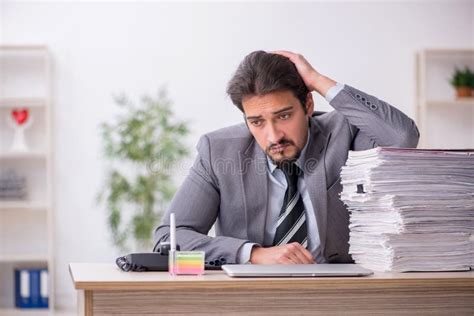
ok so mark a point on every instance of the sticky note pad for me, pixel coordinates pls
(189, 262)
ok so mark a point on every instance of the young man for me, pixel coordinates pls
(271, 185)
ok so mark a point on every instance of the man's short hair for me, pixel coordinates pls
(261, 73)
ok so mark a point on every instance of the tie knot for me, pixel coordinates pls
(291, 172)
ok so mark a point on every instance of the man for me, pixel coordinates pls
(271, 185)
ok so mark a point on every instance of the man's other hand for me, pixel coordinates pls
(292, 253)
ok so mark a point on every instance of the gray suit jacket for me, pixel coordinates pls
(228, 181)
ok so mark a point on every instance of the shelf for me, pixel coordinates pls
(17, 258)
(448, 52)
(24, 311)
(443, 120)
(24, 47)
(28, 51)
(25, 155)
(452, 102)
(22, 102)
(22, 206)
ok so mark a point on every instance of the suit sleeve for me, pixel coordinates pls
(196, 206)
(374, 122)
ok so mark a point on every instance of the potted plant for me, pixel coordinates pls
(142, 145)
(463, 82)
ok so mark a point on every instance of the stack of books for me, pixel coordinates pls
(410, 209)
(12, 186)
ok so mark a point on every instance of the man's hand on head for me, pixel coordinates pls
(292, 253)
(314, 80)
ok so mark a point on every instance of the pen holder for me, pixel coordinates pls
(186, 262)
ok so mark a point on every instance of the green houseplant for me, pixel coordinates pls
(463, 82)
(141, 146)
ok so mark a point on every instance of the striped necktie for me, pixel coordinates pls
(291, 225)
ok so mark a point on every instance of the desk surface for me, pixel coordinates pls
(100, 276)
(105, 290)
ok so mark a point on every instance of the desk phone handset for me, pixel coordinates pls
(146, 261)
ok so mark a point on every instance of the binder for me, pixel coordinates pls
(34, 288)
(22, 288)
(31, 288)
(44, 289)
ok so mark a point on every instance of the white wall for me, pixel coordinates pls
(103, 48)
(1, 21)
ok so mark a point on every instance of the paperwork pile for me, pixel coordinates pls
(410, 209)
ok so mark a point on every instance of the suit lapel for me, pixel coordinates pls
(253, 167)
(315, 178)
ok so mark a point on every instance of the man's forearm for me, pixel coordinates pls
(377, 121)
(218, 250)
(321, 84)
(363, 111)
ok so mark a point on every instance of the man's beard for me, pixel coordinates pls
(285, 159)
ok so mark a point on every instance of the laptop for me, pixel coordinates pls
(295, 270)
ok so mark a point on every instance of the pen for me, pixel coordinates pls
(172, 251)
(172, 232)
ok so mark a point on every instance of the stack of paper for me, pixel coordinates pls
(410, 209)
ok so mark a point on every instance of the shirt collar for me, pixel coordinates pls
(299, 162)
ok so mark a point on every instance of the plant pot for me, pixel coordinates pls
(463, 92)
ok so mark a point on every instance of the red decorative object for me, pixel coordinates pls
(20, 116)
(20, 120)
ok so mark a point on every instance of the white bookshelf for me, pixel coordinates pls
(444, 120)
(26, 226)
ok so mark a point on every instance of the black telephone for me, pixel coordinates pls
(146, 261)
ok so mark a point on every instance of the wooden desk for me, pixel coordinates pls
(105, 290)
